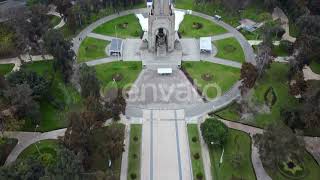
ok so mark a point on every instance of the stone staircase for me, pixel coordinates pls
(161, 51)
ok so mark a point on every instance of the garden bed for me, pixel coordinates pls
(134, 155)
(195, 150)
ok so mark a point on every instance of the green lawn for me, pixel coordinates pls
(230, 113)
(44, 146)
(6, 146)
(91, 49)
(230, 49)
(54, 20)
(255, 11)
(223, 77)
(134, 151)
(238, 144)
(123, 27)
(208, 28)
(275, 77)
(309, 163)
(65, 97)
(6, 68)
(96, 160)
(279, 51)
(128, 70)
(315, 66)
(195, 148)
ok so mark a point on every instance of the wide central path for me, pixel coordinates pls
(165, 149)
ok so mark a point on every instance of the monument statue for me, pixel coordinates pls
(161, 31)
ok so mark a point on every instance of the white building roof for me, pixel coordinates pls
(205, 43)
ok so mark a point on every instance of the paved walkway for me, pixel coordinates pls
(225, 62)
(25, 139)
(279, 14)
(165, 149)
(61, 23)
(100, 36)
(102, 61)
(26, 58)
(221, 36)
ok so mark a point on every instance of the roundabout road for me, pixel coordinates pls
(192, 110)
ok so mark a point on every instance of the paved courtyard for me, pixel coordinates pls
(173, 91)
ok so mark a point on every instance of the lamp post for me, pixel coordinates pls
(35, 129)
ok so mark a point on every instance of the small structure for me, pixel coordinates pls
(164, 71)
(116, 47)
(249, 25)
(217, 17)
(205, 44)
(149, 3)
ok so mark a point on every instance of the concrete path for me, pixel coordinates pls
(309, 74)
(100, 36)
(102, 61)
(25, 139)
(17, 62)
(225, 62)
(124, 160)
(221, 36)
(313, 146)
(279, 14)
(165, 147)
(61, 23)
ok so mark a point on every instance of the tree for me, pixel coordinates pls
(68, 165)
(28, 169)
(249, 76)
(307, 45)
(311, 108)
(30, 27)
(263, 59)
(214, 132)
(108, 141)
(89, 83)
(116, 106)
(298, 85)
(270, 4)
(277, 144)
(21, 100)
(37, 83)
(62, 51)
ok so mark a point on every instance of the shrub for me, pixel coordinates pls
(135, 138)
(214, 132)
(133, 176)
(199, 176)
(194, 139)
(196, 156)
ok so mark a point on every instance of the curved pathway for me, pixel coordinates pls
(25, 139)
